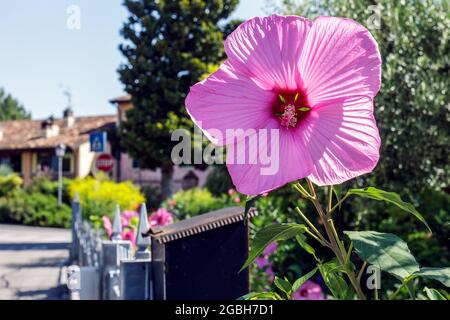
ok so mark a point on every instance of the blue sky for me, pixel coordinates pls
(40, 57)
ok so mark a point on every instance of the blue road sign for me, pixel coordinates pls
(98, 141)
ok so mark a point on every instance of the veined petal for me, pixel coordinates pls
(344, 141)
(226, 100)
(287, 160)
(340, 59)
(269, 49)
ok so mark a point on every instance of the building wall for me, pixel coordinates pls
(122, 109)
(84, 160)
(153, 177)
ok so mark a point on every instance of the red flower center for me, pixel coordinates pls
(290, 107)
(304, 293)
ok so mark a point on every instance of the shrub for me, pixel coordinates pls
(9, 184)
(99, 197)
(413, 41)
(5, 170)
(37, 209)
(153, 197)
(192, 202)
(429, 249)
(50, 187)
(218, 180)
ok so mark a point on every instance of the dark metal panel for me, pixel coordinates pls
(206, 265)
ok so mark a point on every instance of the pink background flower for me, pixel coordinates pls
(270, 249)
(127, 216)
(130, 235)
(314, 81)
(161, 218)
(262, 262)
(309, 291)
(107, 226)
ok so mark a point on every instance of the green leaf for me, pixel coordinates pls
(301, 239)
(332, 274)
(283, 285)
(260, 296)
(300, 281)
(384, 250)
(269, 234)
(440, 274)
(391, 197)
(433, 294)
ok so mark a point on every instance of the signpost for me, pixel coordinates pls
(104, 162)
(98, 141)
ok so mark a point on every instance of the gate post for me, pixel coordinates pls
(136, 273)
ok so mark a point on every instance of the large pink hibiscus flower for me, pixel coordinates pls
(313, 81)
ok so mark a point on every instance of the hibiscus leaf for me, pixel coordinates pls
(301, 239)
(384, 250)
(300, 281)
(391, 197)
(283, 285)
(433, 294)
(267, 235)
(332, 274)
(260, 296)
(440, 274)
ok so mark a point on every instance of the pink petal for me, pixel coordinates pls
(269, 49)
(294, 162)
(340, 60)
(344, 141)
(226, 100)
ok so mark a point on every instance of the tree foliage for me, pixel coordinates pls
(412, 108)
(168, 45)
(10, 108)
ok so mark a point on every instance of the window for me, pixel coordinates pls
(135, 164)
(13, 161)
(48, 161)
(44, 161)
(67, 163)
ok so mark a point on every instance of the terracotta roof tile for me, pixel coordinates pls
(26, 134)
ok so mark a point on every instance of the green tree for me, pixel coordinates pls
(169, 45)
(412, 108)
(10, 108)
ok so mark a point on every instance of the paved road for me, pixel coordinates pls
(31, 262)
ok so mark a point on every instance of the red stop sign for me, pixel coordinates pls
(104, 162)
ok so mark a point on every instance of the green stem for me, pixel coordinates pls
(316, 238)
(340, 245)
(313, 228)
(330, 198)
(360, 273)
(337, 205)
(336, 245)
(349, 253)
(404, 284)
(302, 190)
